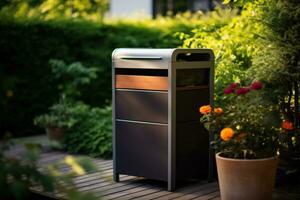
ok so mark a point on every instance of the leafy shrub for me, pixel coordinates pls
(232, 39)
(88, 130)
(83, 124)
(277, 61)
(71, 77)
(63, 114)
(91, 135)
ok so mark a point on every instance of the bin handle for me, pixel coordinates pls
(141, 58)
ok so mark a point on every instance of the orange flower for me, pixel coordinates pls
(218, 110)
(227, 134)
(287, 125)
(241, 136)
(205, 109)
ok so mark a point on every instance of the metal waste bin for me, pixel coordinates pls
(156, 97)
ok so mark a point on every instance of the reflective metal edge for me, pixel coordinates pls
(141, 122)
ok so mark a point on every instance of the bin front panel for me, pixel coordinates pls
(142, 150)
(142, 106)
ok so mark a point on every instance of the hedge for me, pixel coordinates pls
(26, 46)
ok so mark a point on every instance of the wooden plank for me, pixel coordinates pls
(188, 190)
(99, 191)
(99, 185)
(217, 198)
(155, 195)
(54, 159)
(97, 172)
(49, 157)
(142, 82)
(93, 176)
(138, 195)
(119, 189)
(105, 167)
(106, 164)
(212, 195)
(92, 188)
(103, 163)
(91, 182)
(206, 189)
(120, 195)
(108, 173)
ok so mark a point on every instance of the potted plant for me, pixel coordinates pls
(62, 117)
(57, 121)
(69, 110)
(247, 138)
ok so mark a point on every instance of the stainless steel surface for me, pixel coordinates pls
(141, 122)
(211, 156)
(141, 58)
(115, 173)
(172, 129)
(139, 90)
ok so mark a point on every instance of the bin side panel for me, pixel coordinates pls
(142, 150)
(192, 151)
(188, 103)
(142, 106)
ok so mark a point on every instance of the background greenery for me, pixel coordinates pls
(27, 45)
(53, 9)
(259, 40)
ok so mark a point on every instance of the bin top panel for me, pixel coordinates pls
(157, 58)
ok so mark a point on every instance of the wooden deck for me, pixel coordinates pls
(100, 183)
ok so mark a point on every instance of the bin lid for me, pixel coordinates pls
(142, 54)
(158, 58)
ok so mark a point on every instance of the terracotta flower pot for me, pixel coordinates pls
(55, 133)
(246, 179)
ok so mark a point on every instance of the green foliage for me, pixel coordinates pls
(261, 43)
(67, 111)
(62, 115)
(93, 134)
(232, 39)
(51, 9)
(18, 175)
(71, 77)
(27, 87)
(278, 61)
(87, 129)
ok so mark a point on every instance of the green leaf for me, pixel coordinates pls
(226, 1)
(19, 190)
(47, 183)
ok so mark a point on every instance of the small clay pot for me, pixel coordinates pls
(55, 133)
